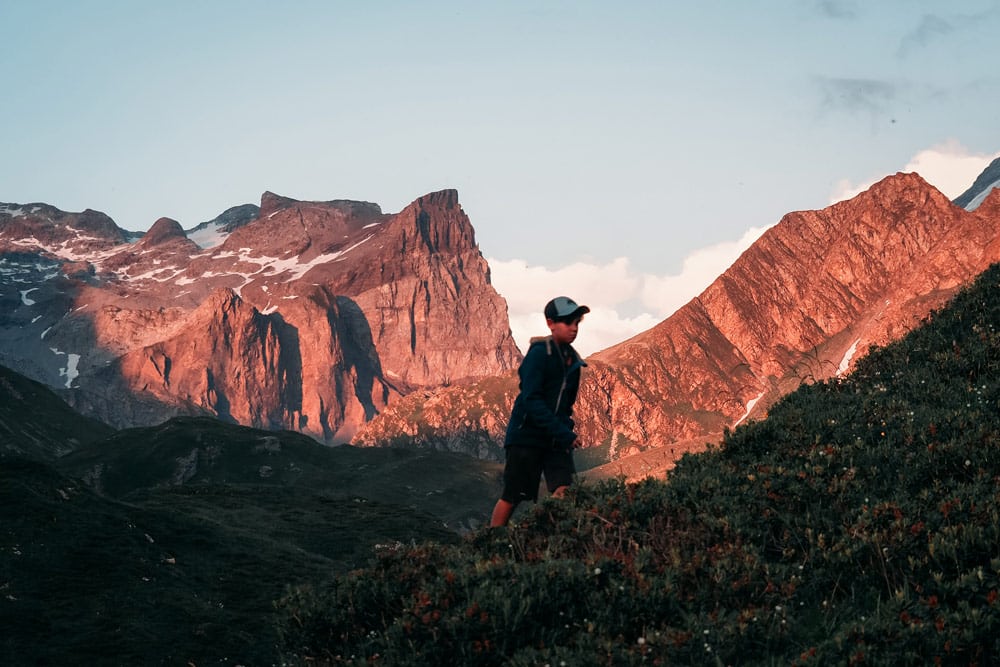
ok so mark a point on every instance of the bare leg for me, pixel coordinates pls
(501, 513)
(559, 492)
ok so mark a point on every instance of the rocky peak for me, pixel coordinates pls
(100, 224)
(52, 228)
(437, 221)
(163, 231)
(271, 203)
(307, 229)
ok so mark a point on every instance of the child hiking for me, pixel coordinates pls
(540, 437)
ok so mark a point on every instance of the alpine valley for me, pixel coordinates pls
(169, 495)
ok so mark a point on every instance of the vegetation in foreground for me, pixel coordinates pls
(858, 524)
(178, 576)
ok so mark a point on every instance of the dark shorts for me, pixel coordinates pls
(524, 469)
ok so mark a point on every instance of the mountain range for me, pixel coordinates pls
(309, 316)
(168, 535)
(346, 324)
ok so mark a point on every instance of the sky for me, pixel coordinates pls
(622, 153)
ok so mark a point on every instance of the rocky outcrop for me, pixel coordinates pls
(32, 228)
(312, 316)
(807, 299)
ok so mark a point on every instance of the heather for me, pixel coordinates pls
(858, 524)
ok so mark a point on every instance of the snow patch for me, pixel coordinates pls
(24, 296)
(845, 363)
(209, 236)
(981, 197)
(274, 266)
(750, 405)
(70, 372)
(152, 275)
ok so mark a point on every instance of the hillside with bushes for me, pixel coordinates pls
(858, 524)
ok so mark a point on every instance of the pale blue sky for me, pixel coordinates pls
(574, 131)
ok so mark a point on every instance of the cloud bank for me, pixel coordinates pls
(625, 302)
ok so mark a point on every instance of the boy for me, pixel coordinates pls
(540, 437)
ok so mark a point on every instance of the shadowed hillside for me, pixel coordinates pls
(175, 575)
(858, 524)
(37, 424)
(457, 489)
(170, 544)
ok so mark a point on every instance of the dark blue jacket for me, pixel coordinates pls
(543, 410)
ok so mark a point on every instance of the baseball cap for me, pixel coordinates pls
(564, 309)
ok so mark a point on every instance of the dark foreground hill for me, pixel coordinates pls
(178, 575)
(37, 424)
(170, 544)
(858, 524)
(457, 489)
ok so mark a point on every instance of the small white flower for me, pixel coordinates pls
(640, 641)
(597, 570)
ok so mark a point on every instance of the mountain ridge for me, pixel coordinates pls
(800, 305)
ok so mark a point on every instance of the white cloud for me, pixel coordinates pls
(950, 167)
(623, 302)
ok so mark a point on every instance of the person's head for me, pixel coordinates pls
(563, 316)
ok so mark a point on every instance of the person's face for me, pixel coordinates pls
(564, 332)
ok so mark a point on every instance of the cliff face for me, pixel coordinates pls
(311, 316)
(809, 297)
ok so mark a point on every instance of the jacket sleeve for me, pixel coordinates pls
(532, 374)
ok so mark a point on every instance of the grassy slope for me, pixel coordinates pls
(457, 489)
(35, 423)
(859, 523)
(186, 573)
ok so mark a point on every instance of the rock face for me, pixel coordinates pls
(310, 316)
(812, 293)
(809, 297)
